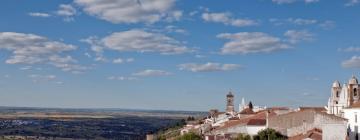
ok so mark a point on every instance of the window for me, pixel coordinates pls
(337, 94)
(336, 102)
(355, 117)
(355, 92)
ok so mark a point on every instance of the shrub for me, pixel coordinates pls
(269, 134)
(189, 136)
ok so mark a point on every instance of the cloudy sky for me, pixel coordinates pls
(177, 55)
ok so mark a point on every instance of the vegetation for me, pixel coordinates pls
(269, 134)
(243, 137)
(81, 128)
(190, 118)
(251, 105)
(170, 131)
(189, 136)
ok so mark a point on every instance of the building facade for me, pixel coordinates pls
(230, 103)
(343, 96)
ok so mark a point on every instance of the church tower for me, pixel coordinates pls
(335, 92)
(353, 90)
(230, 103)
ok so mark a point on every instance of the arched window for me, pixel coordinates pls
(337, 94)
(355, 92)
(336, 102)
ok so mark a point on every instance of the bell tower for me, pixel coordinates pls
(230, 102)
(353, 89)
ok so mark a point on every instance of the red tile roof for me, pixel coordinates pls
(256, 119)
(320, 109)
(314, 134)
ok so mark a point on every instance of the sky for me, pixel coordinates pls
(175, 54)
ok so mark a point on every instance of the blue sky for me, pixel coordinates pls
(175, 55)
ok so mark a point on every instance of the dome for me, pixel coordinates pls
(230, 94)
(336, 84)
(353, 80)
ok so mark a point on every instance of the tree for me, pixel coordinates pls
(243, 137)
(251, 105)
(190, 118)
(189, 136)
(269, 134)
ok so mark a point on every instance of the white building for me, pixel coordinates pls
(343, 96)
(352, 114)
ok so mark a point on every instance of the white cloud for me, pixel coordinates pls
(150, 72)
(328, 24)
(226, 19)
(138, 41)
(208, 67)
(295, 36)
(95, 47)
(250, 42)
(353, 62)
(130, 11)
(118, 61)
(292, 1)
(38, 14)
(121, 78)
(121, 60)
(67, 11)
(311, 1)
(301, 21)
(174, 29)
(26, 68)
(41, 78)
(130, 60)
(350, 49)
(200, 56)
(34, 49)
(283, 1)
(352, 2)
(174, 16)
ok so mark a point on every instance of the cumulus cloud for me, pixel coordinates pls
(208, 67)
(353, 62)
(67, 11)
(34, 49)
(38, 14)
(150, 72)
(137, 41)
(295, 36)
(250, 42)
(226, 19)
(130, 11)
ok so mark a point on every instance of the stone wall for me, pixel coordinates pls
(300, 122)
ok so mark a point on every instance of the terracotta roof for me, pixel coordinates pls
(256, 119)
(278, 108)
(234, 118)
(314, 134)
(320, 109)
(257, 122)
